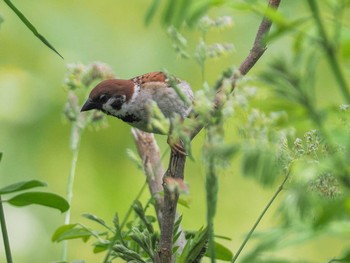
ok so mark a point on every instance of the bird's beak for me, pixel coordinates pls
(89, 105)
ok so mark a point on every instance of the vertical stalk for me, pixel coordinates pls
(75, 139)
(4, 234)
(329, 51)
(211, 189)
(279, 189)
(211, 186)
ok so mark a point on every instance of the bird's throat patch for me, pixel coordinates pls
(129, 118)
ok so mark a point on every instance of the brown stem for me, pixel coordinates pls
(175, 170)
(259, 46)
(149, 152)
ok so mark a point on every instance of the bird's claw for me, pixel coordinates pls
(176, 146)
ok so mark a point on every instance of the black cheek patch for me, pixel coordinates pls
(117, 104)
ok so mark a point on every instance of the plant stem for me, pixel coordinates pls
(175, 170)
(4, 234)
(211, 186)
(279, 189)
(75, 139)
(329, 51)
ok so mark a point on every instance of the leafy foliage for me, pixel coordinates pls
(176, 13)
(136, 240)
(314, 203)
(28, 198)
(24, 199)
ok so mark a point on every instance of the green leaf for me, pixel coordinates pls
(20, 186)
(151, 11)
(182, 201)
(0, 152)
(223, 237)
(221, 252)
(30, 26)
(135, 158)
(143, 239)
(169, 12)
(137, 207)
(40, 198)
(70, 231)
(182, 11)
(128, 254)
(60, 230)
(99, 248)
(98, 220)
(195, 247)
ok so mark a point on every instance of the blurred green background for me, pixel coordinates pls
(34, 136)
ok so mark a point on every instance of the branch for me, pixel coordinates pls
(177, 162)
(259, 46)
(149, 152)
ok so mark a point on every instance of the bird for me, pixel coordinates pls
(131, 99)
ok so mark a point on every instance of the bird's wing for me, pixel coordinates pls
(157, 76)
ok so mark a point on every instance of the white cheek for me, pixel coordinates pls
(108, 107)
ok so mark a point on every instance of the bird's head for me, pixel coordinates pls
(109, 96)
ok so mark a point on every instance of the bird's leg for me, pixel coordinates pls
(175, 142)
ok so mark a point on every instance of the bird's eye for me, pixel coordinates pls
(103, 98)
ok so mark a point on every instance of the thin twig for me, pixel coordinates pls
(5, 236)
(279, 189)
(259, 46)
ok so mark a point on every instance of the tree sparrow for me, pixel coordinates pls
(130, 100)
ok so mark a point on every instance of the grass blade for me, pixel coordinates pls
(151, 11)
(31, 27)
(5, 237)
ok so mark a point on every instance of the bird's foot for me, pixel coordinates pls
(176, 145)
